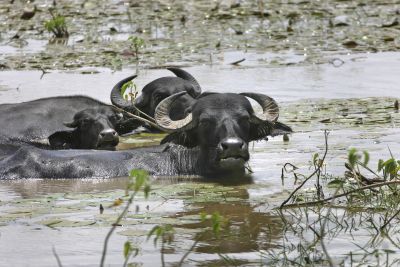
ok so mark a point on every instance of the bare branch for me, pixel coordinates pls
(318, 169)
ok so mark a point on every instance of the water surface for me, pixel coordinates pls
(353, 101)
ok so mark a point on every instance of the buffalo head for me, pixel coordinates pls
(154, 92)
(221, 125)
(91, 129)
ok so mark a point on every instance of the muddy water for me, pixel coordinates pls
(193, 32)
(299, 52)
(353, 101)
(361, 75)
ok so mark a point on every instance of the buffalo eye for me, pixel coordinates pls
(206, 121)
(157, 97)
(84, 122)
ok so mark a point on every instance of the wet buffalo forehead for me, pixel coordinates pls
(226, 102)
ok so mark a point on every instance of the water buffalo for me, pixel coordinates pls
(154, 92)
(212, 140)
(47, 122)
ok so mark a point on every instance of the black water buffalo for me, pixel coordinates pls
(154, 92)
(211, 140)
(65, 122)
(96, 125)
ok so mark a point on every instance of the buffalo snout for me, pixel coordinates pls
(233, 147)
(108, 136)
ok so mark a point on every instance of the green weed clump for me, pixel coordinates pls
(361, 185)
(136, 44)
(58, 26)
(364, 200)
(131, 88)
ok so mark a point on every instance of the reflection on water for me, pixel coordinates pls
(31, 188)
(351, 238)
(249, 230)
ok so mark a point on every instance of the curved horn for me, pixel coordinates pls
(269, 106)
(163, 119)
(116, 97)
(187, 77)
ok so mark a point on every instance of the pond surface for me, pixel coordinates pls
(354, 102)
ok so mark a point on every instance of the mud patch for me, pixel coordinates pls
(194, 32)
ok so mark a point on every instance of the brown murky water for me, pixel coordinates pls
(317, 59)
(37, 215)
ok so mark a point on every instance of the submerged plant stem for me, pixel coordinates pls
(114, 226)
(318, 169)
(57, 257)
(391, 218)
(188, 252)
(323, 233)
(313, 203)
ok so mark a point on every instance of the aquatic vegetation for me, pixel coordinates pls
(136, 44)
(138, 181)
(357, 188)
(57, 25)
(131, 88)
(165, 234)
(374, 200)
(174, 32)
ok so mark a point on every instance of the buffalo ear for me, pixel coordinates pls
(263, 129)
(280, 129)
(192, 92)
(61, 140)
(184, 138)
(72, 124)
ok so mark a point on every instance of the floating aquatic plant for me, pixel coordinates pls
(57, 25)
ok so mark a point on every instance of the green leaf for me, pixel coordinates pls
(353, 157)
(390, 167)
(315, 158)
(380, 165)
(155, 231)
(141, 178)
(125, 87)
(127, 249)
(216, 220)
(366, 157)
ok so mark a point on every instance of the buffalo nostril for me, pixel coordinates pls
(224, 146)
(232, 144)
(109, 133)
